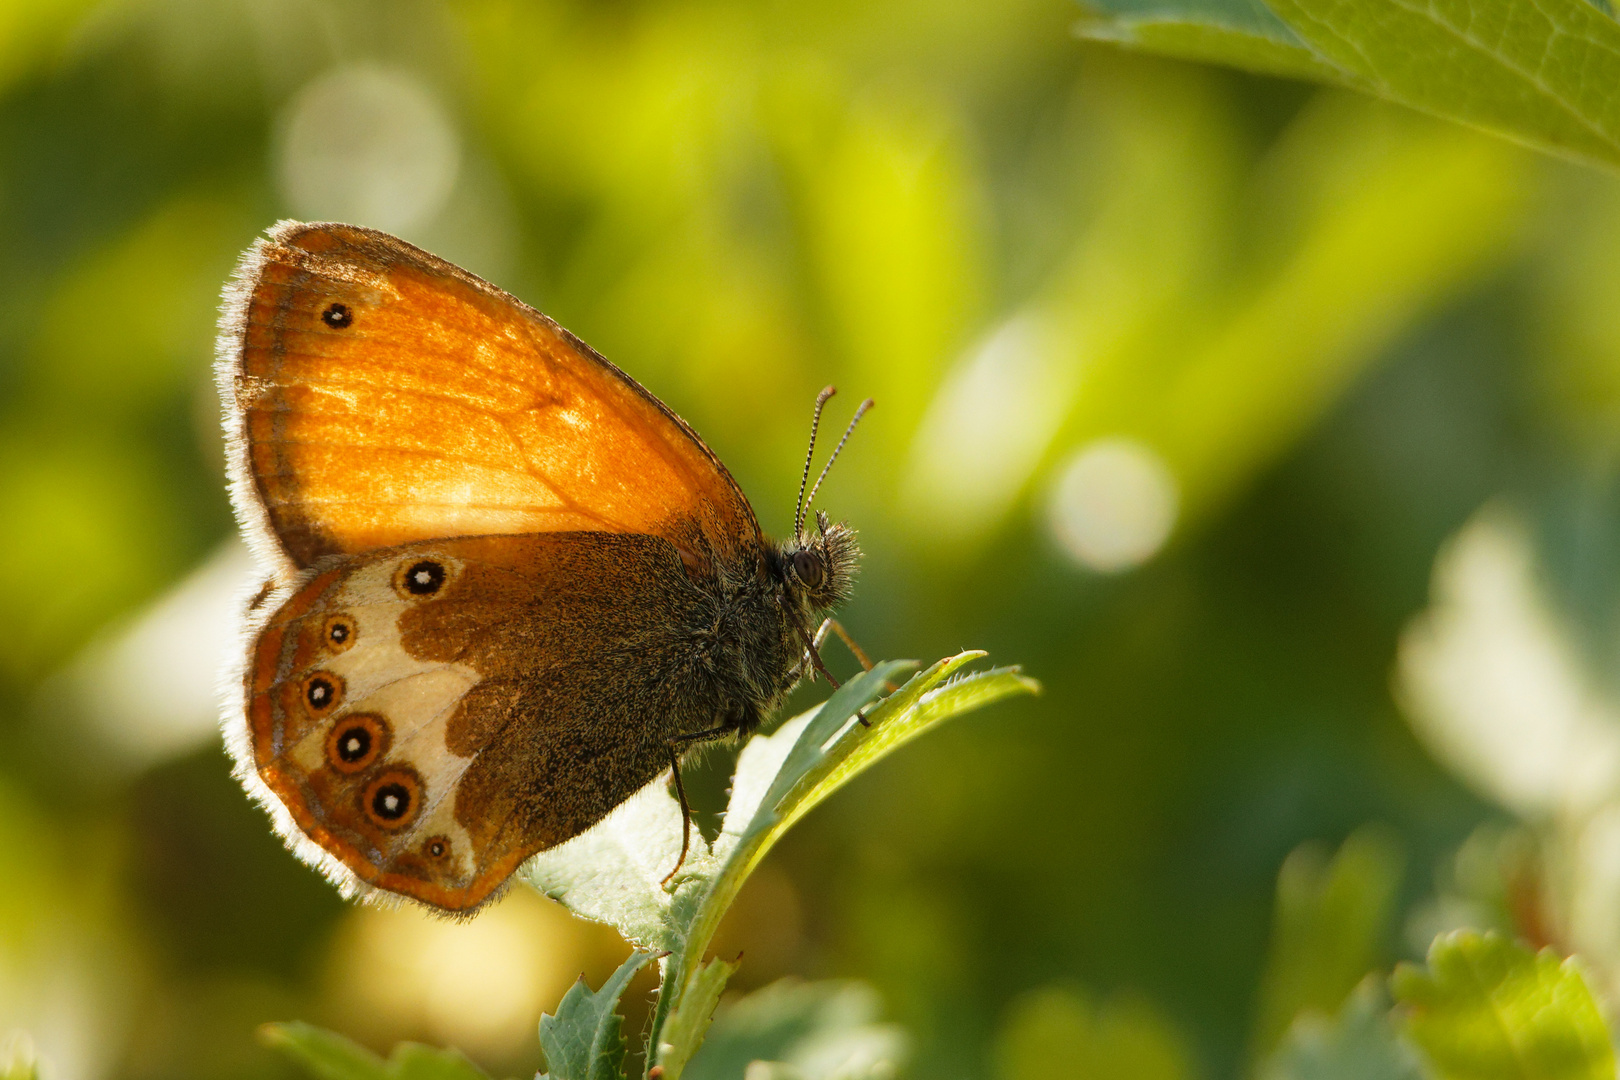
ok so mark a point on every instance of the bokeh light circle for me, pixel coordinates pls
(368, 145)
(1114, 505)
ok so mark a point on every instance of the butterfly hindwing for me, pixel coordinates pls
(433, 714)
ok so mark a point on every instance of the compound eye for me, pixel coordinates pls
(807, 567)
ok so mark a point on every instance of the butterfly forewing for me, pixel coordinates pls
(383, 396)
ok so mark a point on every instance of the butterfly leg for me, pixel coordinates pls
(814, 653)
(686, 813)
(676, 745)
(796, 672)
(860, 654)
(843, 635)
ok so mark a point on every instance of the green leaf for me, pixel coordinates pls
(1328, 929)
(1487, 1008)
(585, 1039)
(801, 1030)
(330, 1056)
(1361, 1043)
(689, 1021)
(1546, 72)
(1242, 33)
(1542, 72)
(614, 872)
(781, 777)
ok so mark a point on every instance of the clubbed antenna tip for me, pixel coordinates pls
(860, 412)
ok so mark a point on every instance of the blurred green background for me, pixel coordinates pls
(1272, 428)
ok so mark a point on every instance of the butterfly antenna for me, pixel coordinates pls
(815, 424)
(860, 412)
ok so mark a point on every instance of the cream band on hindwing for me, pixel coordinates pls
(374, 715)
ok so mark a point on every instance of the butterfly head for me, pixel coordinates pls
(818, 568)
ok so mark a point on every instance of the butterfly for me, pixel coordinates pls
(507, 586)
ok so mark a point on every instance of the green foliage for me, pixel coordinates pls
(1360, 1043)
(1328, 929)
(613, 874)
(1243, 33)
(817, 1031)
(1486, 1008)
(585, 1039)
(1541, 71)
(688, 1022)
(1056, 1033)
(332, 1057)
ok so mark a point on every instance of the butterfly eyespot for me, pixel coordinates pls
(322, 691)
(356, 742)
(421, 578)
(391, 800)
(807, 567)
(338, 633)
(436, 847)
(338, 316)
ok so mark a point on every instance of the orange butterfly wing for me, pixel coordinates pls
(383, 396)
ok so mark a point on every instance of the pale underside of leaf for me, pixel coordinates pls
(1243, 33)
